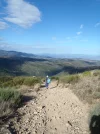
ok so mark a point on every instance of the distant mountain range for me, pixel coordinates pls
(4, 53)
(74, 56)
(22, 64)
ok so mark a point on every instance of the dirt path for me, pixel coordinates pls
(54, 111)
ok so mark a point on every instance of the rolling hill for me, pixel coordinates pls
(17, 64)
(4, 53)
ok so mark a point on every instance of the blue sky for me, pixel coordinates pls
(50, 26)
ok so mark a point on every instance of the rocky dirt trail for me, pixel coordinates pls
(52, 111)
(65, 113)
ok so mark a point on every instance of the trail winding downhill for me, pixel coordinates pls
(55, 111)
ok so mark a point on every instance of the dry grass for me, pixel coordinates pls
(87, 73)
(96, 72)
(85, 85)
(94, 112)
(71, 79)
(5, 108)
(87, 88)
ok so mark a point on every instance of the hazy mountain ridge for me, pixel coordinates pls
(74, 56)
(4, 53)
(17, 64)
(42, 67)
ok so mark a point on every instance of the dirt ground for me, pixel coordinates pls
(56, 110)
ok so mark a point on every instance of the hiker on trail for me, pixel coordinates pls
(47, 81)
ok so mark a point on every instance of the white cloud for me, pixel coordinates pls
(97, 24)
(5, 46)
(22, 13)
(78, 33)
(81, 26)
(38, 47)
(3, 25)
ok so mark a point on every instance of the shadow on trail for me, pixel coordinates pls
(16, 114)
(26, 99)
(42, 85)
(54, 87)
(95, 124)
(5, 119)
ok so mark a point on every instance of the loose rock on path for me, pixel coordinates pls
(55, 110)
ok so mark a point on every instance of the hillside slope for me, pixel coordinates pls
(4, 53)
(18, 66)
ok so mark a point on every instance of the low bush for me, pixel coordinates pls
(55, 78)
(9, 99)
(13, 95)
(96, 72)
(29, 81)
(4, 79)
(71, 79)
(7, 84)
(86, 73)
(18, 81)
(96, 95)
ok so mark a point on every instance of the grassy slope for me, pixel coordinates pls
(11, 95)
(86, 86)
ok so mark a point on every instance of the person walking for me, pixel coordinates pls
(47, 81)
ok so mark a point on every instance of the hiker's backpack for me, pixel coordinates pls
(48, 80)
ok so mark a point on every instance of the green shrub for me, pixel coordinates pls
(13, 95)
(70, 79)
(9, 100)
(29, 81)
(7, 84)
(86, 73)
(5, 79)
(55, 78)
(96, 72)
(18, 80)
(96, 95)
